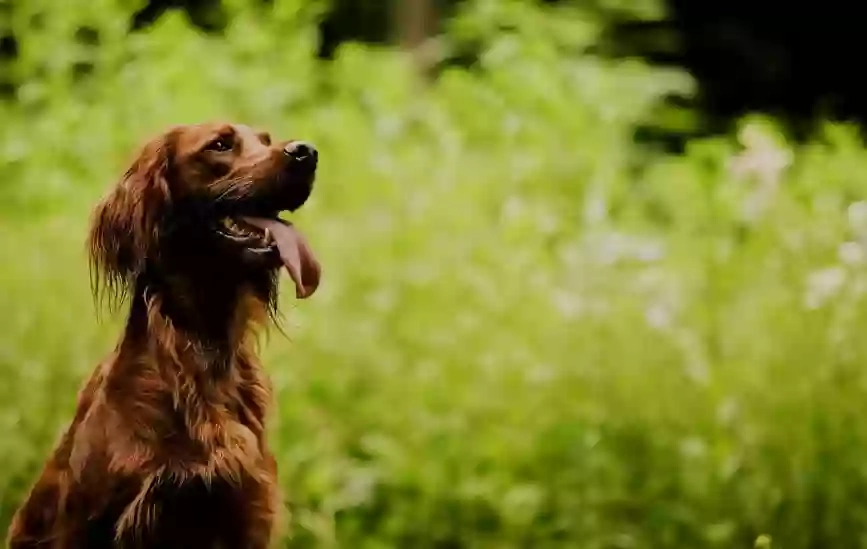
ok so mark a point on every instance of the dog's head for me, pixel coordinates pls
(202, 201)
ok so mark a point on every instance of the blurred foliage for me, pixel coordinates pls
(529, 334)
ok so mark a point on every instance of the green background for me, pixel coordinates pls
(531, 333)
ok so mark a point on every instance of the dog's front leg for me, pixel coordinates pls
(260, 510)
(36, 524)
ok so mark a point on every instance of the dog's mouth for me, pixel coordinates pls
(275, 242)
(240, 231)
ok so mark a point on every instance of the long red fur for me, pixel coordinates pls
(167, 447)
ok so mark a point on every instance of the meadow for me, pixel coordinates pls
(531, 332)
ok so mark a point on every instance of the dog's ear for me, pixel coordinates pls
(126, 224)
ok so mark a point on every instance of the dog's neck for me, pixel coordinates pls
(204, 324)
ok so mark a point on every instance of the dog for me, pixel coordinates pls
(168, 447)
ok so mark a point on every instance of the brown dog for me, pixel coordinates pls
(167, 447)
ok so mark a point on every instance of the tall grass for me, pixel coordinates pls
(530, 333)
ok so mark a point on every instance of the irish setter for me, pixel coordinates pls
(167, 447)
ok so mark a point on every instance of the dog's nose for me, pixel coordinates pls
(301, 151)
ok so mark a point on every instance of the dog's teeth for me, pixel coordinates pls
(267, 235)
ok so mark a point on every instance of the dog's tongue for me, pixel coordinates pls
(295, 253)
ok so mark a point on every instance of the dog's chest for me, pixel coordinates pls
(225, 428)
(217, 460)
(218, 408)
(197, 513)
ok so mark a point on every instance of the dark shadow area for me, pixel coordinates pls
(208, 15)
(795, 62)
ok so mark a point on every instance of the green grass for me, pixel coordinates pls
(529, 333)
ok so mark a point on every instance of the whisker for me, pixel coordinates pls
(235, 189)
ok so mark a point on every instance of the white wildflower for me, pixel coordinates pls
(851, 253)
(822, 285)
(658, 316)
(857, 214)
(764, 160)
(568, 304)
(761, 157)
(595, 209)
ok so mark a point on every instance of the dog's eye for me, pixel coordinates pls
(221, 144)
